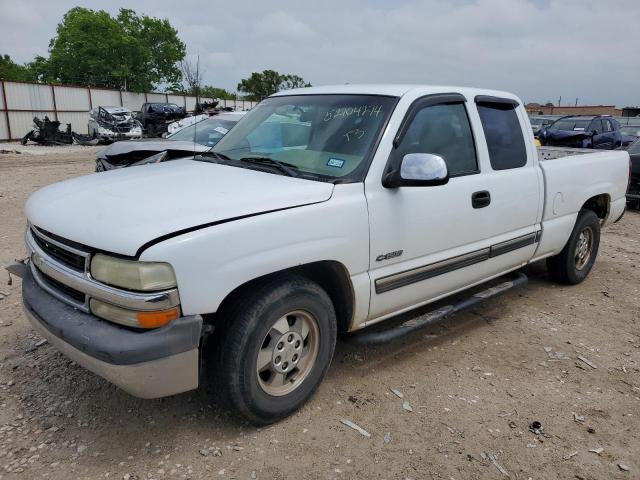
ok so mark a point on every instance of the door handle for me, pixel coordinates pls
(480, 199)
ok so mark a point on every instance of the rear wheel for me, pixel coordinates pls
(274, 348)
(575, 261)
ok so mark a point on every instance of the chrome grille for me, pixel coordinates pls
(60, 249)
(64, 289)
(56, 267)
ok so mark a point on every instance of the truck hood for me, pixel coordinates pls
(149, 147)
(121, 210)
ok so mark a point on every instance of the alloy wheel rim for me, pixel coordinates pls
(584, 248)
(288, 353)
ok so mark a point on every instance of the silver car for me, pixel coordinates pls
(109, 124)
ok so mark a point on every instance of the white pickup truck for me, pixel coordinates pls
(323, 210)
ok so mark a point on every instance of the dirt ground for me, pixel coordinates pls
(475, 384)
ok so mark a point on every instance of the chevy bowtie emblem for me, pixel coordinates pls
(37, 260)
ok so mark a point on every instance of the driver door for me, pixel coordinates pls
(419, 234)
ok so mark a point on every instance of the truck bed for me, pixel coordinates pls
(583, 174)
(553, 153)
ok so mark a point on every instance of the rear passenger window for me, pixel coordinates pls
(442, 130)
(608, 125)
(596, 126)
(504, 135)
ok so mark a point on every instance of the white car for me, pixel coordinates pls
(113, 123)
(324, 210)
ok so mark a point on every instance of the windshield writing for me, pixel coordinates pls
(321, 136)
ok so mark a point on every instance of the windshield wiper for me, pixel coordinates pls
(219, 156)
(287, 168)
(209, 153)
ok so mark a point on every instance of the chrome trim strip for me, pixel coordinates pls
(402, 279)
(513, 244)
(83, 282)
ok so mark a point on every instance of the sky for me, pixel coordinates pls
(539, 49)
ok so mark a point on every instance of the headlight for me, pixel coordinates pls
(104, 131)
(132, 274)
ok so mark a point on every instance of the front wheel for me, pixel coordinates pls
(275, 348)
(575, 261)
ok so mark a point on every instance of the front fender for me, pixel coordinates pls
(211, 262)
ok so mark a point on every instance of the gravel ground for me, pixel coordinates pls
(474, 383)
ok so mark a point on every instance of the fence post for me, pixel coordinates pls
(121, 101)
(6, 109)
(55, 107)
(90, 101)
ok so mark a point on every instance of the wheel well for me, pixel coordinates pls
(600, 205)
(330, 275)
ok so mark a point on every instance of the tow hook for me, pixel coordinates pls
(17, 268)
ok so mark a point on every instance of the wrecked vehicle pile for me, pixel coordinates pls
(108, 124)
(47, 132)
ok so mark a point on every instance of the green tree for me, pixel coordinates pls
(132, 51)
(9, 70)
(268, 82)
(208, 91)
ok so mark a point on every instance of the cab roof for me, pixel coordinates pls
(586, 117)
(394, 90)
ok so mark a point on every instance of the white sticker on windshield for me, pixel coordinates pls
(579, 129)
(335, 162)
(221, 130)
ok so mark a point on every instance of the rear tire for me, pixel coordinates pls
(274, 348)
(573, 264)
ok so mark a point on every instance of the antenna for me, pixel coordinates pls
(195, 109)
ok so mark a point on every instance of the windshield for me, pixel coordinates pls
(570, 124)
(536, 121)
(327, 137)
(205, 132)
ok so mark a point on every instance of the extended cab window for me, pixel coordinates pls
(442, 130)
(504, 137)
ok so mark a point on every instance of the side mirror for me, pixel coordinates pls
(418, 170)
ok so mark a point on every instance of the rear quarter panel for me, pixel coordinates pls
(571, 181)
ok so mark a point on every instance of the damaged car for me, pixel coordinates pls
(109, 124)
(583, 131)
(155, 117)
(196, 138)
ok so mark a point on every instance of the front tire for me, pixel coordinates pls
(572, 265)
(274, 348)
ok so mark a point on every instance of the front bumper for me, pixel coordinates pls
(146, 364)
(114, 137)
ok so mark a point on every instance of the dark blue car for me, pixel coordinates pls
(580, 131)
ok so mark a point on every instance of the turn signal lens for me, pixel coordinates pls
(157, 319)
